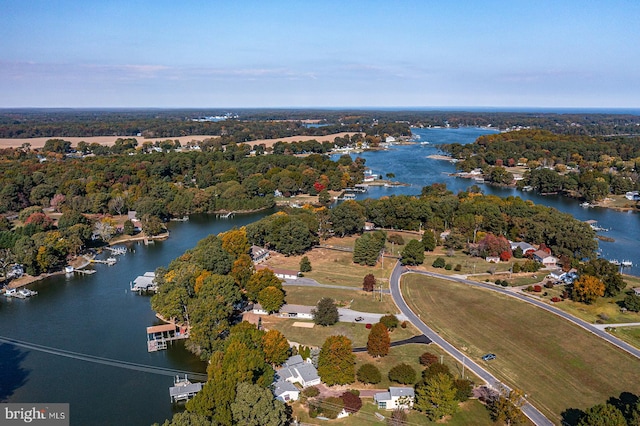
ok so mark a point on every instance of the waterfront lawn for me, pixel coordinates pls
(356, 332)
(630, 335)
(557, 364)
(357, 300)
(335, 267)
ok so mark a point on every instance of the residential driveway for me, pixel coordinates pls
(349, 315)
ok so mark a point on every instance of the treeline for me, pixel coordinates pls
(584, 167)
(253, 124)
(466, 216)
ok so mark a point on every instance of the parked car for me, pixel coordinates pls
(488, 357)
(359, 319)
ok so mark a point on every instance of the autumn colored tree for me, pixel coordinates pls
(271, 298)
(506, 409)
(587, 289)
(336, 362)
(260, 280)
(276, 347)
(235, 242)
(428, 358)
(242, 270)
(379, 341)
(492, 245)
(369, 282)
(352, 402)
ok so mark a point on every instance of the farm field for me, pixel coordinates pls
(558, 365)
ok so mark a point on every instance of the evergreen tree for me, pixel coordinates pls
(305, 265)
(325, 312)
(413, 253)
(429, 240)
(436, 397)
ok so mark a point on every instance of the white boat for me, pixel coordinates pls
(585, 204)
(68, 269)
(615, 262)
(626, 263)
(111, 261)
(26, 292)
(10, 292)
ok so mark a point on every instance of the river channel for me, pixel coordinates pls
(97, 315)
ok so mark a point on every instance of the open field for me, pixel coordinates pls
(110, 140)
(558, 365)
(471, 412)
(335, 267)
(356, 332)
(353, 299)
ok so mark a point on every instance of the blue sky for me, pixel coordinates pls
(515, 53)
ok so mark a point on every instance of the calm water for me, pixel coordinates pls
(97, 315)
(410, 165)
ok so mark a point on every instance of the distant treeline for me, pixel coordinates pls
(253, 124)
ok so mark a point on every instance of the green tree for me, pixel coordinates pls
(368, 247)
(187, 418)
(605, 271)
(603, 415)
(271, 298)
(413, 253)
(325, 312)
(305, 265)
(336, 362)
(402, 373)
(390, 321)
(632, 302)
(128, 228)
(369, 373)
(429, 240)
(255, 406)
(347, 218)
(379, 342)
(436, 397)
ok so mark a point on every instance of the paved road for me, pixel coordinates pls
(529, 410)
(595, 329)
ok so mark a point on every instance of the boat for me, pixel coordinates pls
(68, 269)
(111, 261)
(424, 143)
(10, 292)
(25, 292)
(626, 263)
(585, 204)
(614, 262)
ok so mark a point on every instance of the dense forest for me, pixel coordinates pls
(586, 167)
(84, 194)
(251, 124)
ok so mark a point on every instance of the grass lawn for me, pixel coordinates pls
(558, 365)
(630, 335)
(356, 332)
(354, 299)
(471, 412)
(335, 267)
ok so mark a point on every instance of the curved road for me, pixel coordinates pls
(529, 410)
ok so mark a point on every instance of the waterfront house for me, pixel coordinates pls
(259, 254)
(547, 260)
(397, 397)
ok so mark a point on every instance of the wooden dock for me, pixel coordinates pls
(159, 335)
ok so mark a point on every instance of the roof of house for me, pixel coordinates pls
(296, 309)
(282, 386)
(185, 389)
(293, 360)
(401, 391)
(541, 254)
(523, 246)
(382, 396)
(295, 366)
(257, 251)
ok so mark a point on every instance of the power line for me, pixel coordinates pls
(100, 360)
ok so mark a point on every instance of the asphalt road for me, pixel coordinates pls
(529, 410)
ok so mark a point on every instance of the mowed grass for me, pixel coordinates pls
(353, 299)
(630, 335)
(471, 412)
(356, 332)
(558, 365)
(335, 267)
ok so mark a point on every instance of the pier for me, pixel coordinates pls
(226, 215)
(159, 335)
(183, 389)
(119, 250)
(110, 261)
(144, 283)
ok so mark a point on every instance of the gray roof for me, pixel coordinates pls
(185, 389)
(293, 360)
(296, 309)
(307, 371)
(282, 386)
(401, 391)
(382, 396)
(144, 281)
(523, 246)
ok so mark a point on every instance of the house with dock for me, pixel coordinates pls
(183, 389)
(144, 283)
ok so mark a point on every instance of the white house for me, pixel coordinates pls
(547, 260)
(397, 397)
(283, 274)
(296, 311)
(285, 391)
(637, 291)
(296, 370)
